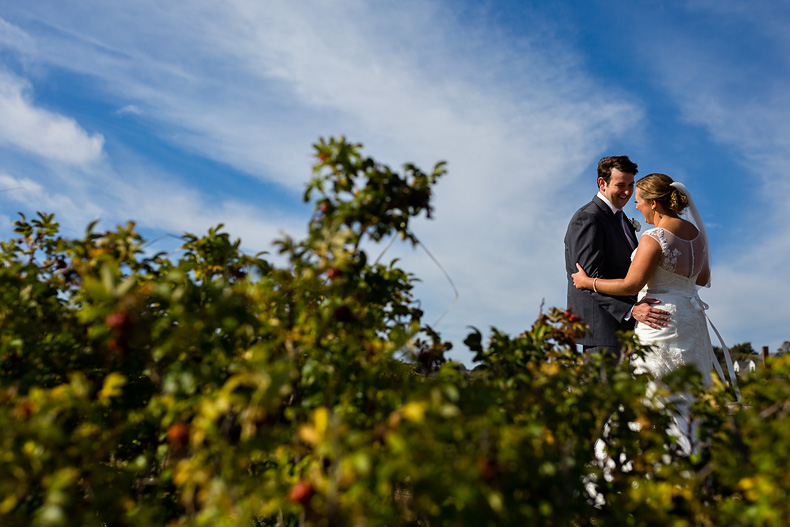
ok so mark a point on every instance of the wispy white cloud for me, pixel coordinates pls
(41, 132)
(9, 183)
(252, 84)
(518, 116)
(161, 204)
(129, 109)
(28, 195)
(155, 201)
(13, 37)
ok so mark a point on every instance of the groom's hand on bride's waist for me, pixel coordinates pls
(645, 313)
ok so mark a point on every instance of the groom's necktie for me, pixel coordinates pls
(628, 236)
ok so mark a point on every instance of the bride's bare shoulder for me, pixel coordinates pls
(687, 230)
(681, 228)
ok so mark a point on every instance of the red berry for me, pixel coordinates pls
(116, 344)
(489, 470)
(24, 410)
(178, 435)
(573, 318)
(333, 273)
(119, 321)
(301, 492)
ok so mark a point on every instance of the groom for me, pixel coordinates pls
(601, 239)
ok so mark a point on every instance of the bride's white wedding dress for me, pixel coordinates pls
(685, 339)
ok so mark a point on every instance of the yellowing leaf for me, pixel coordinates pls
(308, 434)
(321, 419)
(112, 386)
(495, 501)
(548, 436)
(550, 368)
(8, 504)
(315, 433)
(415, 411)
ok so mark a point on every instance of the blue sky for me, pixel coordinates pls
(183, 115)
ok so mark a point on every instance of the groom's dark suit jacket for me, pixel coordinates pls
(595, 240)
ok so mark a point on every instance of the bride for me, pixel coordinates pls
(671, 260)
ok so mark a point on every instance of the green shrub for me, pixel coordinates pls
(211, 387)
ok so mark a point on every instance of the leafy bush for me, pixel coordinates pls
(216, 388)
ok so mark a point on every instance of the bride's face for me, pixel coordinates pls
(644, 206)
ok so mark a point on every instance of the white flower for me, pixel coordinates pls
(636, 224)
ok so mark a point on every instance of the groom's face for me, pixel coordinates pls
(619, 188)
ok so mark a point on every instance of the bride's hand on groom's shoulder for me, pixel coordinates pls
(580, 278)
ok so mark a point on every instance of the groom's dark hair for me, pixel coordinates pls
(621, 163)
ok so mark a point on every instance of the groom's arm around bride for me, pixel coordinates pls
(601, 241)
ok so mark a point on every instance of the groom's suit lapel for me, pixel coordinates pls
(632, 230)
(630, 226)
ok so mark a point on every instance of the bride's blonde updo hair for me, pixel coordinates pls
(658, 187)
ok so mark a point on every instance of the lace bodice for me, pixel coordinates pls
(682, 260)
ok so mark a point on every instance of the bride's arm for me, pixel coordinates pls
(642, 268)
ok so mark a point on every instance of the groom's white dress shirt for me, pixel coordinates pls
(615, 210)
